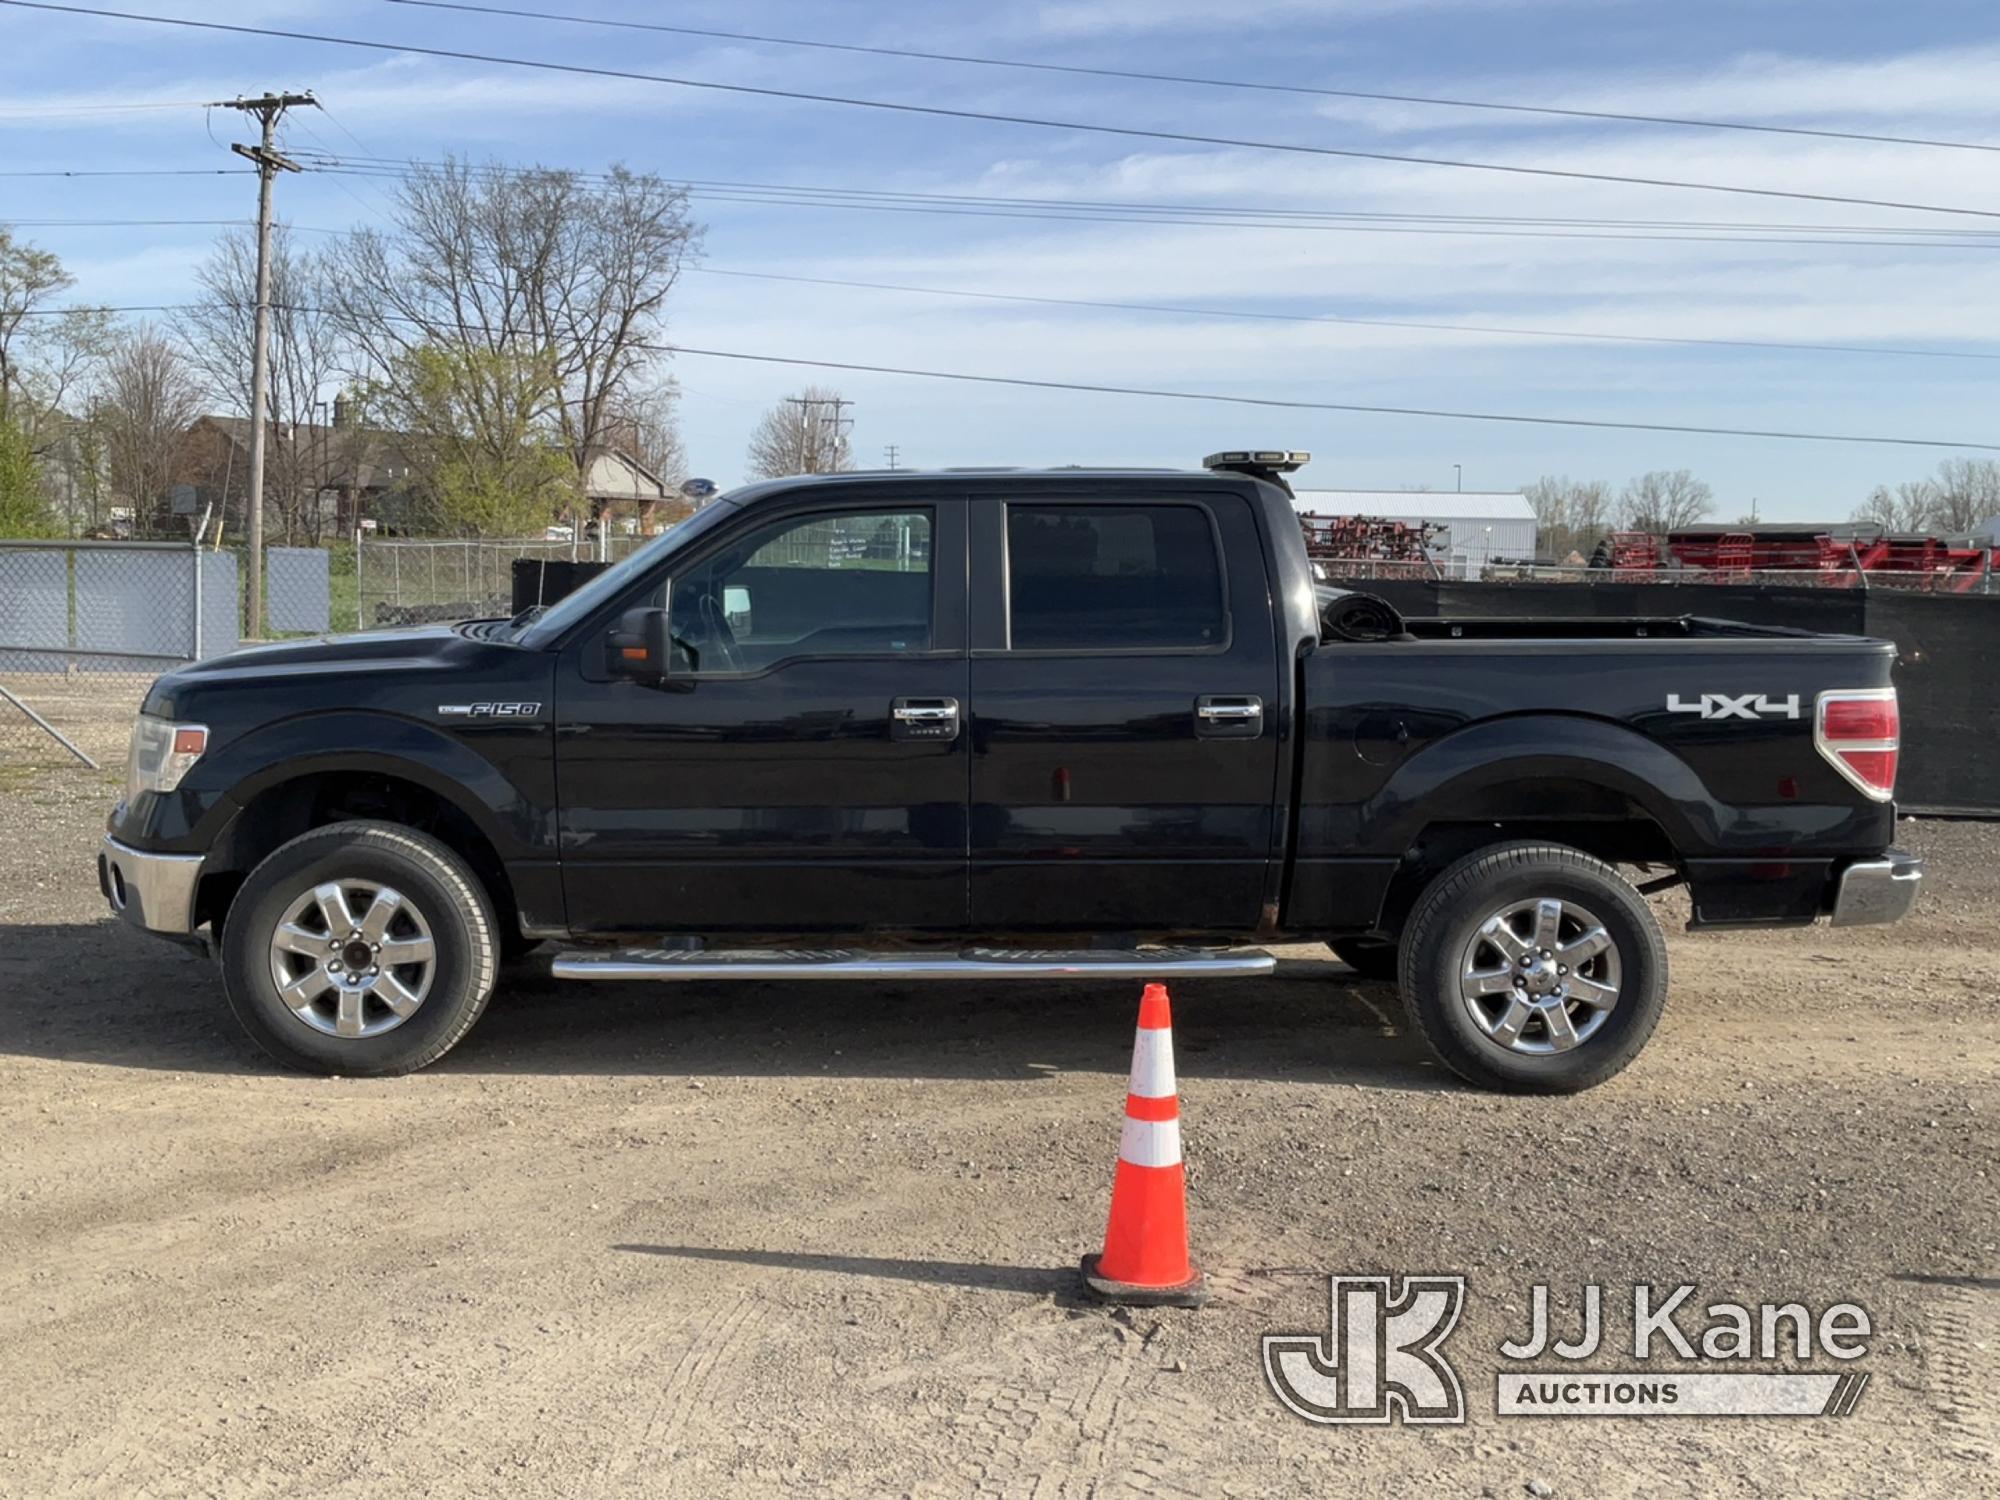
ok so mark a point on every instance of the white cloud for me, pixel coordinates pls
(1936, 84)
(1110, 17)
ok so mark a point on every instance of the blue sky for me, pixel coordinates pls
(1915, 69)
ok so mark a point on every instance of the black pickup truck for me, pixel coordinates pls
(1002, 724)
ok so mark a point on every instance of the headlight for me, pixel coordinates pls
(162, 754)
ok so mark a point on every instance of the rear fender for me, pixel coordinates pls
(1466, 777)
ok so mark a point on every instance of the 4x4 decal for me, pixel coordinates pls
(1735, 706)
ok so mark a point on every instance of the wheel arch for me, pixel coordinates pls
(313, 792)
(1569, 780)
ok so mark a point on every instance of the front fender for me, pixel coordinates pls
(497, 774)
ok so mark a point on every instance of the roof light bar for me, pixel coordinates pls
(1282, 460)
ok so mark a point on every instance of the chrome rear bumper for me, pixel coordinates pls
(151, 891)
(1877, 890)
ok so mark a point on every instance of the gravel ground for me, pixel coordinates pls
(93, 711)
(822, 1238)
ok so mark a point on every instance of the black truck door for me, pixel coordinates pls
(1124, 705)
(804, 770)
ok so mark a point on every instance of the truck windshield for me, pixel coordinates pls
(544, 627)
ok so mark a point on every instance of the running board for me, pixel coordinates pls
(969, 963)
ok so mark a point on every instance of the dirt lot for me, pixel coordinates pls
(818, 1238)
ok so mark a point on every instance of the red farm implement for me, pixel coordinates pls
(1371, 546)
(1840, 557)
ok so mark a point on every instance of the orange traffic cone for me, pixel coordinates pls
(1145, 1261)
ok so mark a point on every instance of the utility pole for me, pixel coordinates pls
(890, 450)
(840, 426)
(269, 109)
(811, 452)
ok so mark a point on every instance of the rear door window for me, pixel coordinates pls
(1084, 577)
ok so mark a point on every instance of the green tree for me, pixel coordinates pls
(24, 507)
(572, 271)
(478, 437)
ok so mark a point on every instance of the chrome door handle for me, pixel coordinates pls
(923, 719)
(1229, 716)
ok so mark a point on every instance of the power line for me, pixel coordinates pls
(1276, 317)
(159, 224)
(1083, 209)
(126, 172)
(1204, 82)
(1277, 402)
(1082, 212)
(29, 110)
(1296, 405)
(1283, 403)
(1335, 319)
(769, 200)
(1033, 121)
(398, 166)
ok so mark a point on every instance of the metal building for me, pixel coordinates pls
(1480, 527)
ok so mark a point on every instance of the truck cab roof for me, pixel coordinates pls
(1053, 477)
(1268, 466)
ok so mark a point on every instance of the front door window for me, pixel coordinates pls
(847, 584)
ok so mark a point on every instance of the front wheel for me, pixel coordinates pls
(359, 948)
(1533, 968)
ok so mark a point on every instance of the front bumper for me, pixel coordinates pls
(1877, 890)
(154, 892)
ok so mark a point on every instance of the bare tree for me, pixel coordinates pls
(1911, 506)
(1968, 495)
(1571, 515)
(301, 455)
(147, 400)
(30, 280)
(1664, 500)
(45, 350)
(652, 425)
(802, 434)
(537, 268)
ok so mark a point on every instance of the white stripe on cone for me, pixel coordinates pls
(1151, 1143)
(1153, 1064)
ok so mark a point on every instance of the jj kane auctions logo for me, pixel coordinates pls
(1382, 1357)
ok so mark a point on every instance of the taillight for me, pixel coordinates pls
(1859, 732)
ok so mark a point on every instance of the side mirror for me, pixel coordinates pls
(640, 647)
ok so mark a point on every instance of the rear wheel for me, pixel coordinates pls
(359, 948)
(1533, 968)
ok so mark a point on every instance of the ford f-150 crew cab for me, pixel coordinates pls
(1002, 724)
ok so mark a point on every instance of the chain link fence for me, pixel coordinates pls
(420, 581)
(84, 629)
(85, 626)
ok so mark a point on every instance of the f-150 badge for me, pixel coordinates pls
(489, 710)
(1735, 706)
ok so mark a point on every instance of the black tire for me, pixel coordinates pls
(435, 882)
(1371, 957)
(1448, 916)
